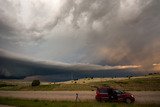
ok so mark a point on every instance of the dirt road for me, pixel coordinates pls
(141, 96)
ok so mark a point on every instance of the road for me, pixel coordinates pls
(6, 106)
(141, 96)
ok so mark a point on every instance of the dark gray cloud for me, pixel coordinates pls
(105, 32)
(16, 66)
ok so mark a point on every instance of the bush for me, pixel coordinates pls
(35, 83)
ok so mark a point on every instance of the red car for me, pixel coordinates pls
(115, 95)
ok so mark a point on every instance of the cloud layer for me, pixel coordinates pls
(16, 66)
(104, 32)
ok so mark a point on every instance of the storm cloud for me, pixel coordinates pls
(101, 32)
(16, 66)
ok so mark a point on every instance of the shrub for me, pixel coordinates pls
(35, 83)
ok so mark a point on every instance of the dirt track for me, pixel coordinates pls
(141, 96)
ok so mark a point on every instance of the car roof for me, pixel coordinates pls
(106, 87)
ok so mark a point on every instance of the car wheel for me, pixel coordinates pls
(99, 100)
(128, 100)
(105, 100)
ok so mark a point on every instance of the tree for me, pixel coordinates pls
(35, 83)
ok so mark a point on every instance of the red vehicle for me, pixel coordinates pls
(115, 95)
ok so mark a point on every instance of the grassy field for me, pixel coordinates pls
(42, 103)
(144, 83)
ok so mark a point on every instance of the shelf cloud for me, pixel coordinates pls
(16, 66)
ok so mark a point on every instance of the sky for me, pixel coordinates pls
(99, 32)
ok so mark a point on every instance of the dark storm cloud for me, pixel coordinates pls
(16, 66)
(105, 32)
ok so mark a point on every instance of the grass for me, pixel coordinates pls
(145, 83)
(43, 103)
(150, 83)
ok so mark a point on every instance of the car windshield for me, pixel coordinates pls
(119, 91)
(103, 91)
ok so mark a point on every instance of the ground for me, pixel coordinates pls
(44, 103)
(20, 93)
(142, 97)
(142, 83)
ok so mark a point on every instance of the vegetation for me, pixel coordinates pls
(35, 83)
(145, 83)
(42, 103)
(150, 83)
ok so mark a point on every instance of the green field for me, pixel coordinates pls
(42, 103)
(144, 83)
